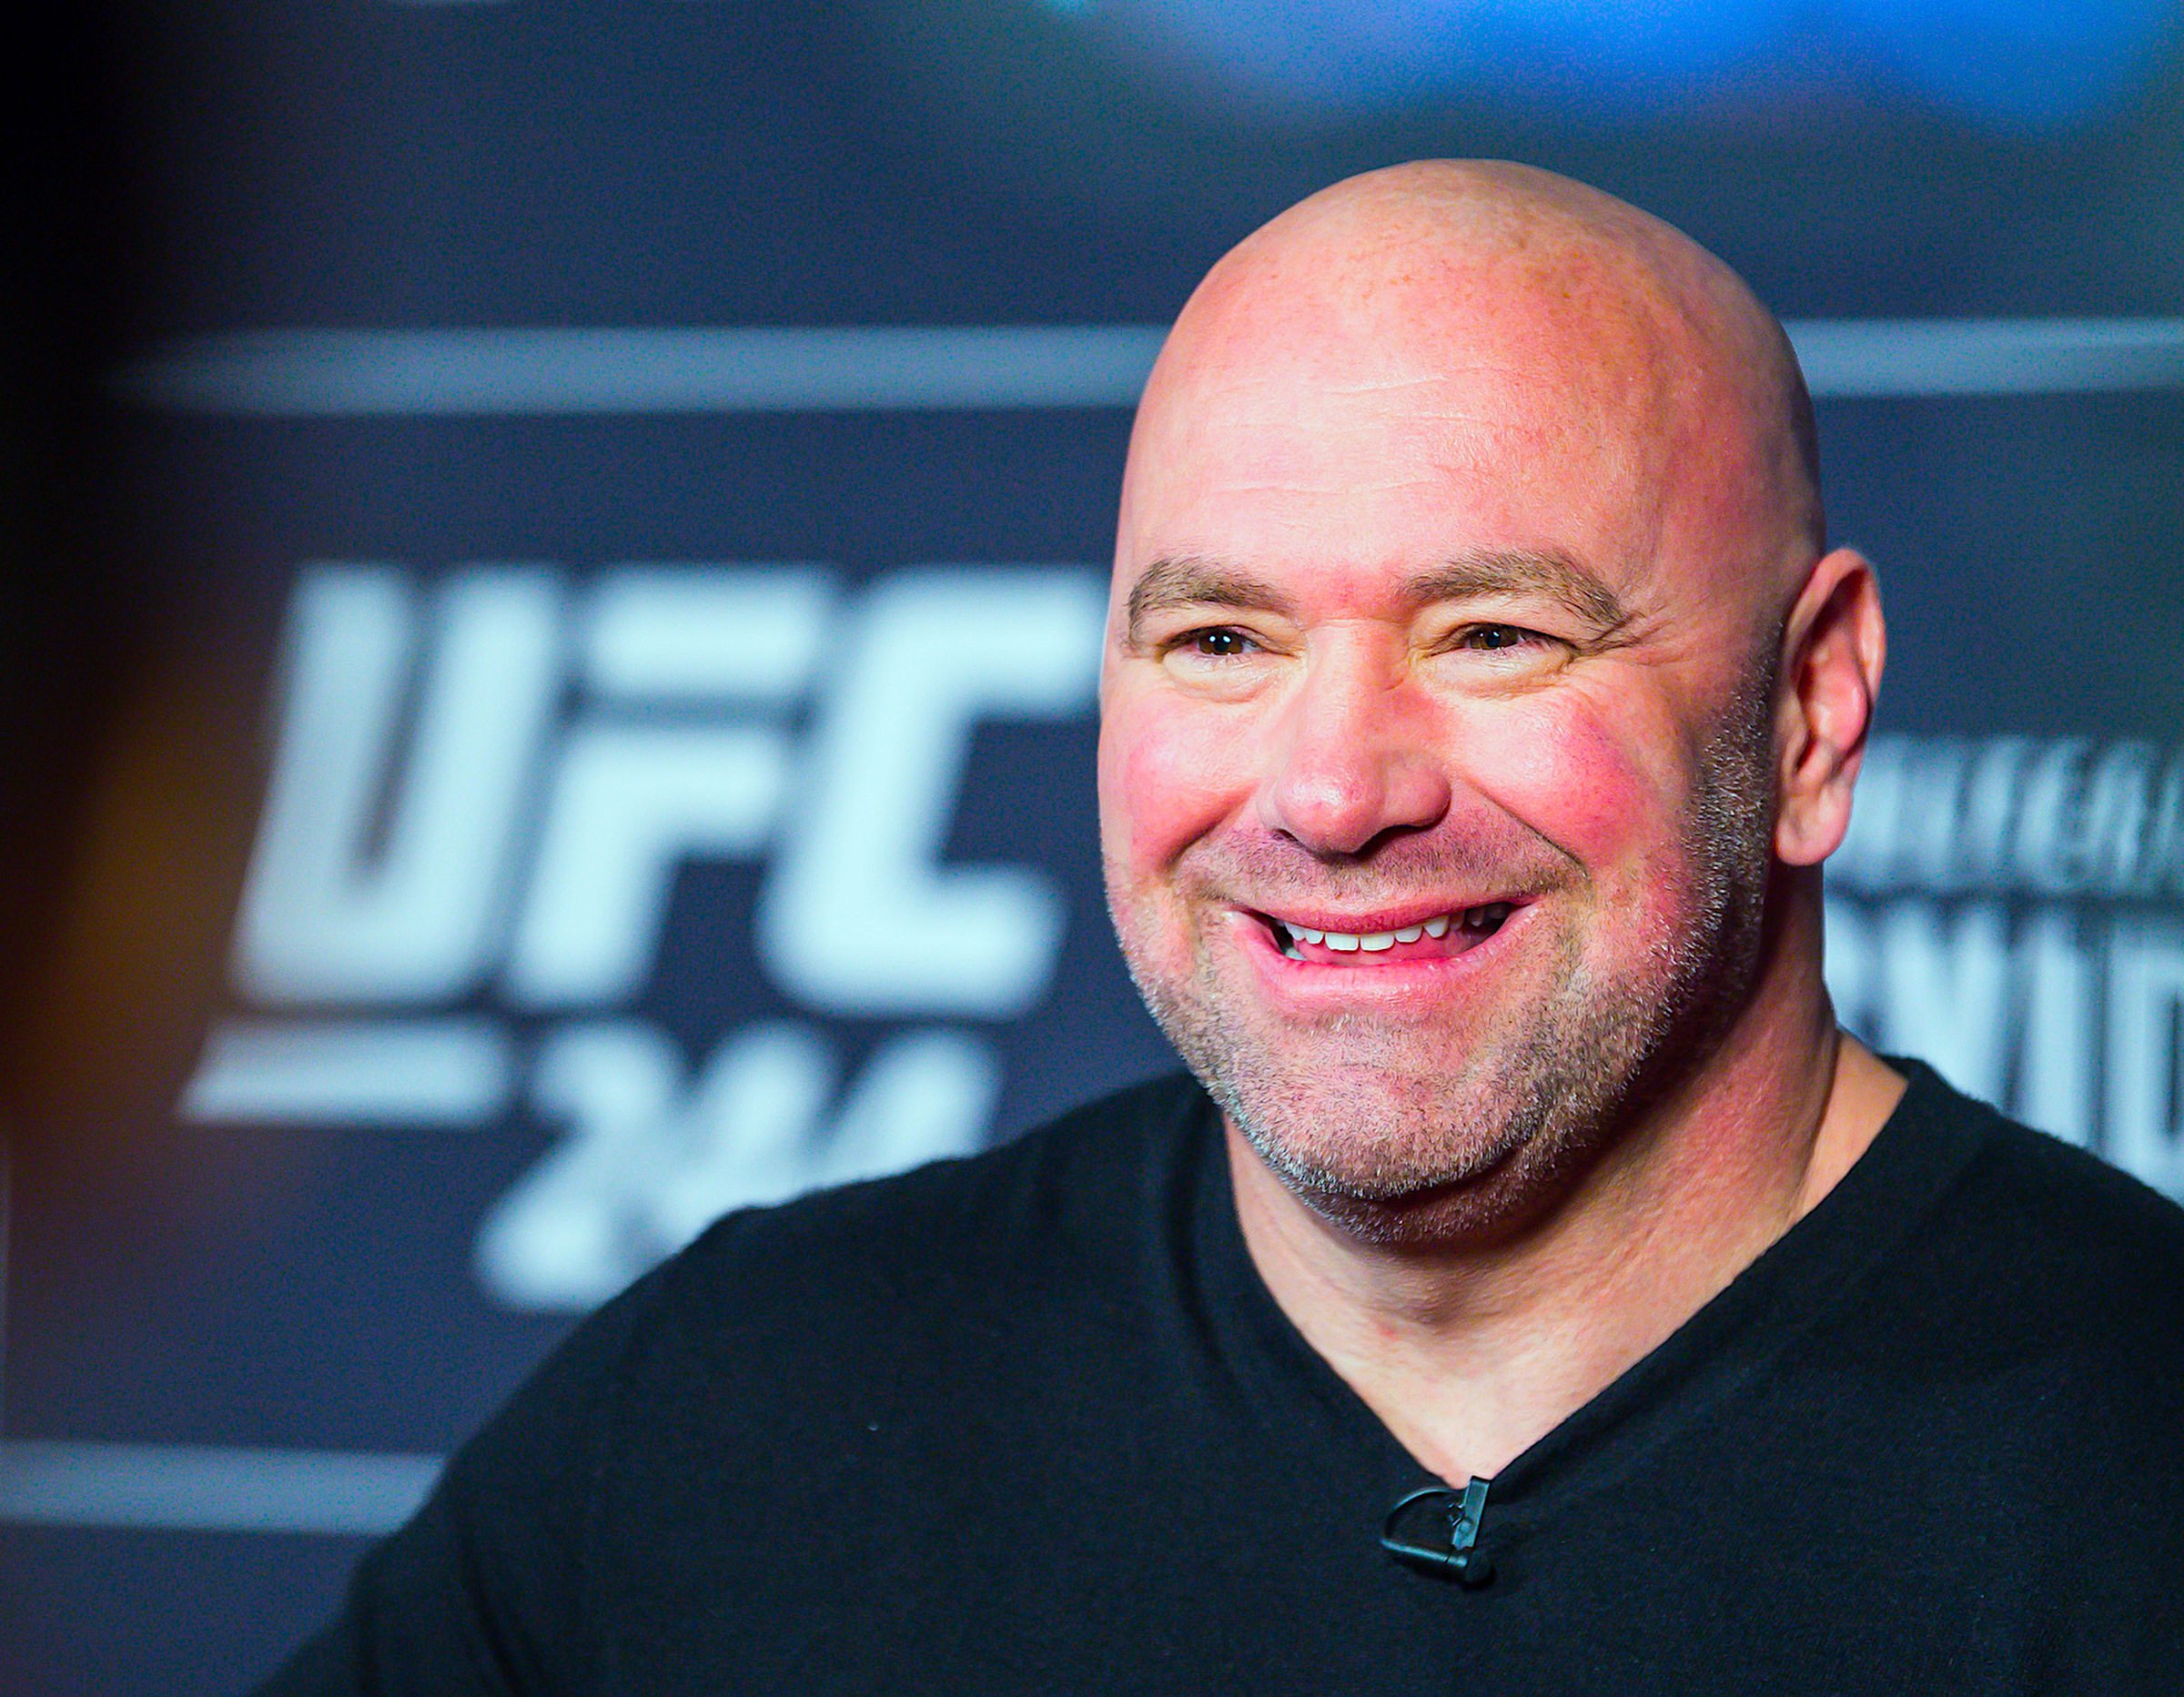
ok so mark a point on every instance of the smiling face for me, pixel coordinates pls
(1436, 747)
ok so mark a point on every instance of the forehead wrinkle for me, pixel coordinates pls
(1299, 378)
(1291, 486)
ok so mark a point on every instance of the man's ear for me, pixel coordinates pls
(1834, 645)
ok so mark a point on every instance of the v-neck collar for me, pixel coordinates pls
(1723, 1348)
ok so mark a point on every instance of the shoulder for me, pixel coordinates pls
(802, 1329)
(2044, 1266)
(774, 1302)
(924, 1268)
(883, 1342)
(2029, 1361)
(2059, 1219)
(1066, 1186)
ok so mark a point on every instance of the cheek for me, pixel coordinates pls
(1167, 775)
(1600, 784)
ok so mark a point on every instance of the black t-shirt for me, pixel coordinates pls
(1030, 1422)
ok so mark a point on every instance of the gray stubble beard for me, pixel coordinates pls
(1480, 1155)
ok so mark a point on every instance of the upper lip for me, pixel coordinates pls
(1382, 919)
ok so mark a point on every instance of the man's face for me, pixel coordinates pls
(1434, 772)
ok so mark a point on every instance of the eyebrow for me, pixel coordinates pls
(1190, 581)
(1193, 581)
(1524, 571)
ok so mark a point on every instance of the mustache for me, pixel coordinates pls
(1273, 869)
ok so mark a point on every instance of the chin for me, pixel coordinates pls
(1405, 1134)
(1371, 1129)
(1470, 1151)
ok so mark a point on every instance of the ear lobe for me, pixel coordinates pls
(1835, 644)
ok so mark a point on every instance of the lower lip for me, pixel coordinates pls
(1373, 977)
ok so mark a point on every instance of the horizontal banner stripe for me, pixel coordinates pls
(518, 372)
(513, 372)
(1884, 358)
(187, 1487)
(393, 1073)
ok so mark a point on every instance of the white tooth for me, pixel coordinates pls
(1292, 952)
(1473, 918)
(1340, 941)
(1437, 926)
(1304, 934)
(1409, 934)
(1376, 940)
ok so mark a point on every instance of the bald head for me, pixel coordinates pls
(1478, 703)
(1500, 297)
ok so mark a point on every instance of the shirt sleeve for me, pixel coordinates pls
(484, 1590)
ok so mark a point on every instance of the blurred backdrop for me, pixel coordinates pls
(555, 558)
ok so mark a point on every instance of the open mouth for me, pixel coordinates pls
(1442, 935)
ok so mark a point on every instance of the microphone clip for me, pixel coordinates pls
(1436, 1530)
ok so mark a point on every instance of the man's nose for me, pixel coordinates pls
(1353, 757)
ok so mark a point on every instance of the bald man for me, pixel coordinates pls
(1534, 1290)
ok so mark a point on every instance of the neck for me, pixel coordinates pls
(1469, 1353)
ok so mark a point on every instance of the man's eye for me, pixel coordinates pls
(1218, 659)
(1494, 638)
(1497, 636)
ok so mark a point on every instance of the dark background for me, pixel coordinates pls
(210, 1314)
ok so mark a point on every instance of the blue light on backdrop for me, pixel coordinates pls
(2054, 63)
(1993, 61)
